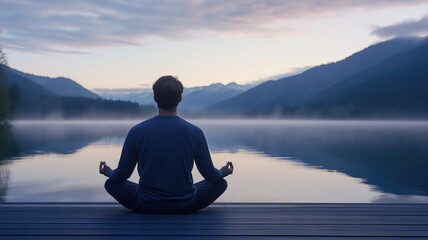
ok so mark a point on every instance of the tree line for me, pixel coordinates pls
(56, 107)
(9, 97)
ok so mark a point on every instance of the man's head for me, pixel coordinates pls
(167, 92)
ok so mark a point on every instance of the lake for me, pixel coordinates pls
(275, 160)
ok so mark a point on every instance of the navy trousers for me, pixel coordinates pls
(126, 194)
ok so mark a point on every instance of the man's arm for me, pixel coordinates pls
(205, 165)
(127, 162)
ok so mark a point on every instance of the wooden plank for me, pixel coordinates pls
(237, 221)
(200, 238)
(196, 232)
(212, 217)
(213, 227)
(60, 213)
(422, 210)
(219, 226)
(216, 219)
(232, 209)
(209, 219)
(331, 222)
(229, 216)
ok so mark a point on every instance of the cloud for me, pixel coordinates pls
(392, 198)
(145, 85)
(404, 29)
(293, 71)
(122, 90)
(70, 26)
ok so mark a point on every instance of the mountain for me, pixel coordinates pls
(194, 99)
(300, 88)
(32, 95)
(59, 85)
(37, 102)
(204, 97)
(395, 87)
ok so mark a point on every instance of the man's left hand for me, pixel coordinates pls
(228, 168)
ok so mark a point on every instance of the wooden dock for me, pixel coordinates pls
(219, 221)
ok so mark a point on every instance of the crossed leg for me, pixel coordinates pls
(126, 194)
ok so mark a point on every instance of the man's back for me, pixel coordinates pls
(165, 147)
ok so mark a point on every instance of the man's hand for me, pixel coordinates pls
(228, 168)
(104, 168)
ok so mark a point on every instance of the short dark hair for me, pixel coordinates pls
(167, 92)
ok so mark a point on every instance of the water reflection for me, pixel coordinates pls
(389, 156)
(393, 156)
(64, 137)
(8, 149)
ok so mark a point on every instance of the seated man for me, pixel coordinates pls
(165, 147)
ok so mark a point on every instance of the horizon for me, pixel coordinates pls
(148, 87)
(219, 43)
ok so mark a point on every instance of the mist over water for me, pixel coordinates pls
(275, 160)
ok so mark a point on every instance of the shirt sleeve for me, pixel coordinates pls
(128, 161)
(204, 163)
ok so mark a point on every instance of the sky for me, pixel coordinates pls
(131, 43)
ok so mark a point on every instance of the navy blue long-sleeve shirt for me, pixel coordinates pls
(165, 148)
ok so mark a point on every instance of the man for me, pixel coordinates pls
(165, 148)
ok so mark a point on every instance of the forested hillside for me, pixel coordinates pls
(394, 88)
(36, 102)
(295, 90)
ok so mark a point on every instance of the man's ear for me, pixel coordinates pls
(180, 99)
(154, 98)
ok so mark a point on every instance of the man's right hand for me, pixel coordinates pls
(228, 168)
(103, 168)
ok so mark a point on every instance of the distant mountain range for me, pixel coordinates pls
(388, 79)
(42, 97)
(385, 80)
(195, 99)
(200, 99)
(142, 96)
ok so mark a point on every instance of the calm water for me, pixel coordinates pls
(275, 160)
